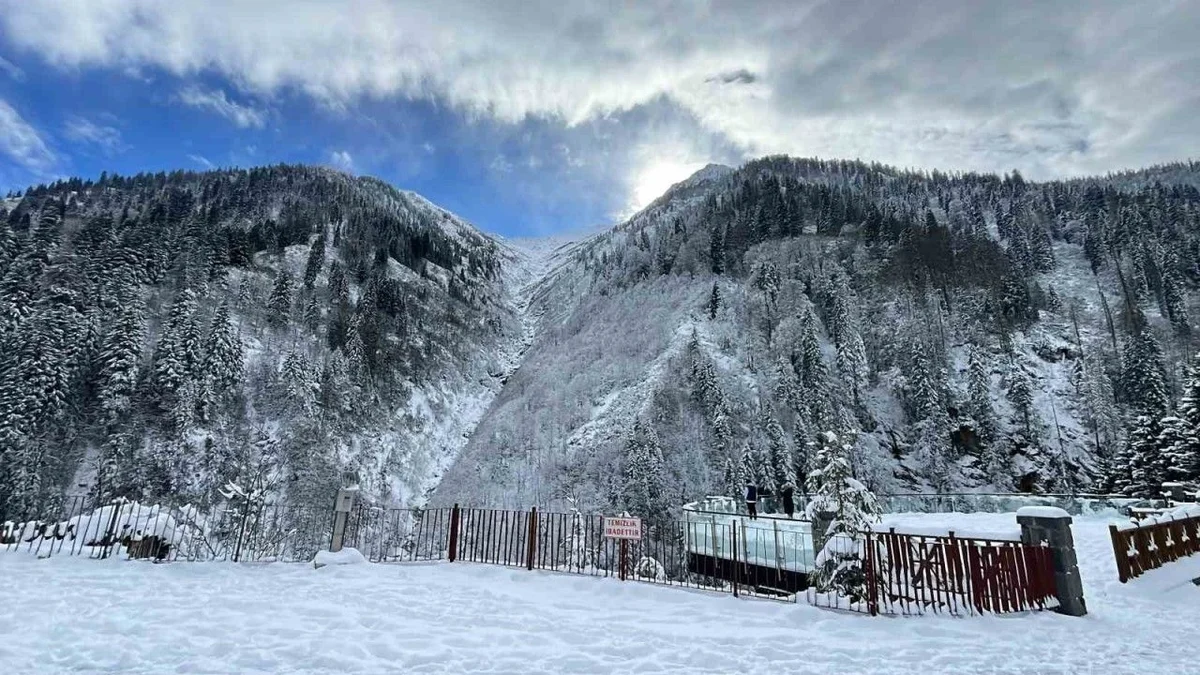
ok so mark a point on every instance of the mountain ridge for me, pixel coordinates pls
(723, 324)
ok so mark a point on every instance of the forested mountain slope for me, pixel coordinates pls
(971, 331)
(292, 329)
(288, 329)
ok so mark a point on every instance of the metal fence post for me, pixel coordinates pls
(454, 516)
(736, 569)
(531, 545)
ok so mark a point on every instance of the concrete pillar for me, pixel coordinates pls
(1175, 492)
(341, 514)
(1051, 526)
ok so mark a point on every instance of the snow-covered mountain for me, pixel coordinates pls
(293, 328)
(974, 332)
(284, 328)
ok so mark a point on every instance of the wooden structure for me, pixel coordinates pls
(1154, 542)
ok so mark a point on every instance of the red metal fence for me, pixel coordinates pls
(1151, 545)
(911, 574)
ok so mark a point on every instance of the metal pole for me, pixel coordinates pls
(623, 554)
(735, 558)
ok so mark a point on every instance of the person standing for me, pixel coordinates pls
(789, 498)
(752, 500)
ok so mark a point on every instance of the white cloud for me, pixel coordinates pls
(216, 101)
(201, 160)
(21, 142)
(342, 160)
(85, 131)
(12, 70)
(1051, 88)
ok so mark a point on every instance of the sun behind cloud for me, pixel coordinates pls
(656, 177)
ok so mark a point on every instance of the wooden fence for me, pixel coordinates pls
(1150, 545)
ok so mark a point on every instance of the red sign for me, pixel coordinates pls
(623, 528)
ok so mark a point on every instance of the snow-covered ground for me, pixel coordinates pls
(77, 615)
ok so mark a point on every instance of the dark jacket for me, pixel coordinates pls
(789, 502)
(751, 494)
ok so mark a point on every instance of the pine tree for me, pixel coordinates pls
(714, 301)
(1183, 454)
(854, 510)
(579, 556)
(300, 388)
(1142, 465)
(643, 474)
(851, 353)
(316, 257)
(312, 313)
(729, 480)
(747, 468)
(177, 356)
(979, 396)
(120, 358)
(777, 453)
(1020, 393)
(932, 427)
(1145, 377)
(1100, 412)
(279, 303)
(809, 365)
(802, 450)
(223, 360)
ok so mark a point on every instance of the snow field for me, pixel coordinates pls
(75, 615)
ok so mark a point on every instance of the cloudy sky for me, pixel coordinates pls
(531, 116)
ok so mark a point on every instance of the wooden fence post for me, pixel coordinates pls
(531, 545)
(1121, 552)
(454, 516)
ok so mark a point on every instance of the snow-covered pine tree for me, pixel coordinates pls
(802, 450)
(932, 422)
(223, 358)
(177, 355)
(1140, 467)
(299, 386)
(729, 480)
(1099, 405)
(579, 554)
(119, 361)
(1145, 376)
(316, 257)
(279, 303)
(777, 453)
(747, 471)
(1019, 390)
(851, 353)
(644, 489)
(979, 396)
(854, 509)
(1184, 454)
(809, 365)
(714, 301)
(312, 312)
